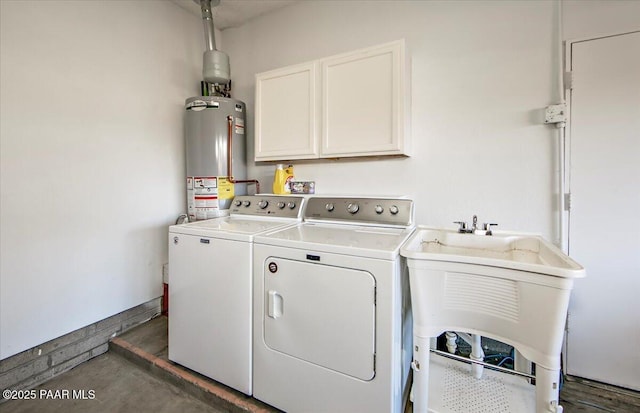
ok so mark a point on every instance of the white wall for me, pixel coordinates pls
(92, 158)
(482, 73)
(590, 19)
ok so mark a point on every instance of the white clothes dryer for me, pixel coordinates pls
(210, 287)
(332, 321)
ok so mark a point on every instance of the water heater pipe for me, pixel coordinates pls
(230, 158)
(215, 64)
(207, 21)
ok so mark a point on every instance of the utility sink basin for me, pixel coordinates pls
(524, 252)
(514, 286)
(509, 286)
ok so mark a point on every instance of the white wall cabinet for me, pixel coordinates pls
(353, 104)
(286, 118)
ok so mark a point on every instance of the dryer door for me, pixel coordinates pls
(321, 314)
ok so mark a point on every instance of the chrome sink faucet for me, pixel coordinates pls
(463, 227)
(486, 227)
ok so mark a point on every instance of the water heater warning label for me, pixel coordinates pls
(204, 184)
(202, 197)
(240, 126)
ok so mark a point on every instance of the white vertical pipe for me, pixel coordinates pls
(477, 354)
(520, 363)
(562, 214)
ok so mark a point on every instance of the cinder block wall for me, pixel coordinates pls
(34, 366)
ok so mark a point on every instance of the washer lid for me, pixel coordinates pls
(232, 227)
(362, 241)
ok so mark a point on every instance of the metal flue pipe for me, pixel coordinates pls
(215, 64)
(207, 21)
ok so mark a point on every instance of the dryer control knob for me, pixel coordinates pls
(237, 202)
(393, 209)
(246, 203)
(353, 208)
(280, 204)
(329, 207)
(291, 205)
(379, 209)
(263, 204)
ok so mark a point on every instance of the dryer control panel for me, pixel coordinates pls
(361, 210)
(268, 205)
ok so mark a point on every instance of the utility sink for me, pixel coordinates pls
(512, 287)
(516, 251)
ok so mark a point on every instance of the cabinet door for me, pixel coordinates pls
(364, 97)
(286, 114)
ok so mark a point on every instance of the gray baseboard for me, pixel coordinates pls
(35, 366)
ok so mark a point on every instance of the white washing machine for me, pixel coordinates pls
(210, 287)
(332, 321)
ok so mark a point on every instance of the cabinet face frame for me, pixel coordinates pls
(332, 146)
(309, 149)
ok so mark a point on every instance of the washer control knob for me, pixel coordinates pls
(280, 204)
(263, 204)
(393, 209)
(237, 202)
(329, 207)
(353, 208)
(246, 203)
(379, 209)
(291, 205)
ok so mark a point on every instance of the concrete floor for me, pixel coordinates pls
(118, 386)
(153, 384)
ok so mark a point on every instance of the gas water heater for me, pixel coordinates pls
(214, 134)
(215, 150)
